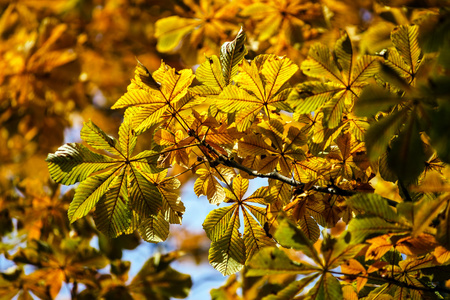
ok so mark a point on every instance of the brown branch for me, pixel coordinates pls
(229, 162)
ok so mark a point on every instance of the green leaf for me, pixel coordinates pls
(173, 208)
(288, 235)
(366, 67)
(346, 77)
(337, 251)
(372, 205)
(154, 229)
(334, 109)
(374, 99)
(117, 185)
(255, 238)
(89, 193)
(73, 163)
(443, 230)
(127, 138)
(344, 56)
(309, 227)
(210, 74)
(272, 261)
(394, 60)
(327, 288)
(157, 278)
(227, 254)
(405, 40)
(216, 222)
(258, 212)
(227, 290)
(439, 131)
(112, 215)
(363, 228)
(320, 64)
(170, 31)
(407, 156)
(310, 95)
(292, 289)
(98, 139)
(146, 162)
(231, 54)
(425, 210)
(379, 134)
(145, 198)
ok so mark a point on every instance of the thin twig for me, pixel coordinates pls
(332, 189)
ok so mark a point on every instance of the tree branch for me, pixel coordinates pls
(229, 162)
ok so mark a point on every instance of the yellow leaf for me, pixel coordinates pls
(170, 31)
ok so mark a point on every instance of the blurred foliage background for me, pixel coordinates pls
(63, 62)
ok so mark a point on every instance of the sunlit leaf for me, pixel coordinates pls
(89, 193)
(258, 88)
(346, 75)
(227, 254)
(405, 40)
(231, 54)
(150, 106)
(73, 163)
(154, 229)
(112, 215)
(218, 221)
(116, 184)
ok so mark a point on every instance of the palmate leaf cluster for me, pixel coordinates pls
(322, 143)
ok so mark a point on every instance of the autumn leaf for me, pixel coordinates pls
(155, 103)
(208, 185)
(260, 85)
(172, 207)
(284, 21)
(354, 267)
(406, 57)
(345, 77)
(115, 185)
(206, 22)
